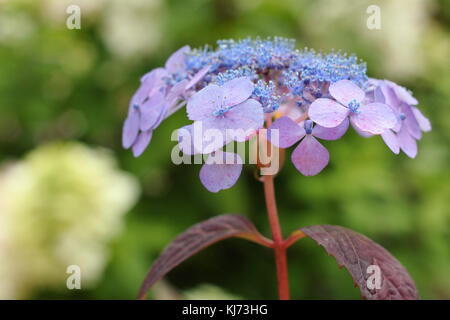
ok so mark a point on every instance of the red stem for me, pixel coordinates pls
(278, 245)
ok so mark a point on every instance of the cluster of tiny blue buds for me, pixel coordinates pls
(275, 63)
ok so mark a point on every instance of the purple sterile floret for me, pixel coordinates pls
(309, 157)
(221, 171)
(226, 108)
(374, 117)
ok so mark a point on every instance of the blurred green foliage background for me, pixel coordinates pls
(59, 84)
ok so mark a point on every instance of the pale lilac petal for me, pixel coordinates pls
(142, 142)
(411, 122)
(205, 102)
(391, 140)
(375, 118)
(177, 91)
(151, 111)
(423, 121)
(363, 134)
(345, 91)
(310, 157)
(327, 113)
(201, 137)
(220, 175)
(247, 117)
(374, 82)
(331, 133)
(130, 128)
(236, 91)
(407, 143)
(186, 140)
(151, 83)
(176, 62)
(390, 96)
(198, 77)
(289, 132)
(379, 95)
(155, 76)
(141, 93)
(403, 94)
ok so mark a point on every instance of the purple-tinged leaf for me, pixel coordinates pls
(356, 253)
(197, 238)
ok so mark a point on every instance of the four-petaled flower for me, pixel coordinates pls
(309, 157)
(226, 110)
(373, 117)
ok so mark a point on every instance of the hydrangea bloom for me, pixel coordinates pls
(310, 157)
(238, 84)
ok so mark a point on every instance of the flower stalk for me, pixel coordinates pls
(278, 245)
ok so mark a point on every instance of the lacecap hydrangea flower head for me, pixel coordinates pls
(241, 86)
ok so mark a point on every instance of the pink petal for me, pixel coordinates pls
(391, 140)
(289, 132)
(142, 142)
(176, 62)
(363, 134)
(331, 133)
(310, 157)
(423, 121)
(151, 111)
(374, 118)
(407, 143)
(345, 91)
(217, 174)
(236, 91)
(205, 102)
(246, 117)
(327, 113)
(130, 128)
(197, 77)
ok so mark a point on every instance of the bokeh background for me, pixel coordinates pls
(70, 195)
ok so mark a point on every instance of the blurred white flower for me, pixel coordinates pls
(133, 27)
(404, 25)
(59, 206)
